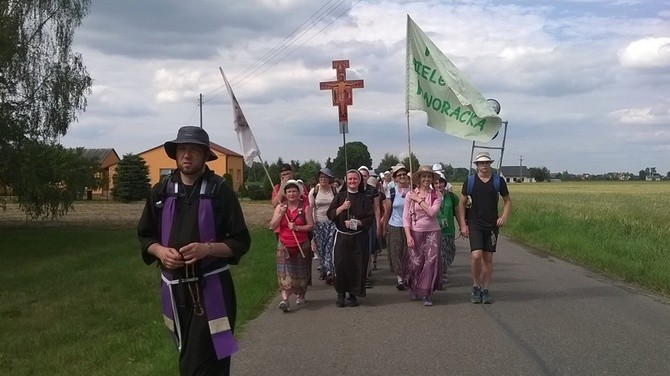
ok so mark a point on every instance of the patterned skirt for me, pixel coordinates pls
(294, 273)
(396, 244)
(447, 250)
(422, 264)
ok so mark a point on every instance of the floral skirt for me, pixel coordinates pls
(294, 273)
(422, 264)
(396, 245)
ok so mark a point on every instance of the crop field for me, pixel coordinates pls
(619, 228)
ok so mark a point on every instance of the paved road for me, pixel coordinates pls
(549, 317)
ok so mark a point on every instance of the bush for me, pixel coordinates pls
(256, 191)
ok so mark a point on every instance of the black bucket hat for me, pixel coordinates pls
(189, 135)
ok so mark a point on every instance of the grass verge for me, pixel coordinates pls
(79, 301)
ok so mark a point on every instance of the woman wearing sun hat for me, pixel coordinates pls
(320, 198)
(422, 263)
(394, 205)
(293, 220)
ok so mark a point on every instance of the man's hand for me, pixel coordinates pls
(193, 252)
(169, 257)
(464, 231)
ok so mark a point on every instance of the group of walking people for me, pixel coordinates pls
(193, 228)
(414, 215)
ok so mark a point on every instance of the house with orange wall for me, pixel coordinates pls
(105, 158)
(160, 164)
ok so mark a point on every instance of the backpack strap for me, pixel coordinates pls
(392, 194)
(496, 182)
(471, 183)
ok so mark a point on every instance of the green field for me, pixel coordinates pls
(79, 301)
(619, 228)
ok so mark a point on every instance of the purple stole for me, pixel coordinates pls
(212, 291)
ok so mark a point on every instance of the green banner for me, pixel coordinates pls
(436, 86)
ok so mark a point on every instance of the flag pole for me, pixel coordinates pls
(407, 65)
(409, 149)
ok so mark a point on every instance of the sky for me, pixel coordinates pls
(583, 84)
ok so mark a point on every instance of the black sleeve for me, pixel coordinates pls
(148, 227)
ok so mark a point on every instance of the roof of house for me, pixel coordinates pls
(99, 155)
(513, 171)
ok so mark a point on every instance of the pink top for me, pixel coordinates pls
(417, 219)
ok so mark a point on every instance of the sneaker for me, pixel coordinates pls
(427, 301)
(486, 297)
(300, 301)
(476, 295)
(283, 305)
(352, 301)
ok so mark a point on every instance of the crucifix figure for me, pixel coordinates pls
(342, 92)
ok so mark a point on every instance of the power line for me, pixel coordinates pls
(272, 56)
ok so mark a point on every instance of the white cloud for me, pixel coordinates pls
(647, 53)
(641, 116)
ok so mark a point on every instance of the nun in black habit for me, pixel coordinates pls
(353, 214)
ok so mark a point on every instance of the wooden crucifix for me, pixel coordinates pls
(342, 89)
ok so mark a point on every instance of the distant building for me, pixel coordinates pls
(654, 177)
(105, 158)
(515, 174)
(160, 164)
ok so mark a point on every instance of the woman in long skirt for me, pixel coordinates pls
(294, 258)
(394, 205)
(422, 263)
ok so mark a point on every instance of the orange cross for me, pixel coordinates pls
(342, 91)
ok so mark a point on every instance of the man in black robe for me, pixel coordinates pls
(193, 227)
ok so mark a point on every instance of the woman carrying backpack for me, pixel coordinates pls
(294, 257)
(320, 198)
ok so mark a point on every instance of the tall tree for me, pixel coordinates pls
(539, 173)
(415, 162)
(357, 155)
(50, 178)
(131, 180)
(308, 172)
(43, 84)
(387, 162)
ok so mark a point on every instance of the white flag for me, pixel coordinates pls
(244, 136)
(436, 86)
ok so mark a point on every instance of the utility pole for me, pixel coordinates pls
(200, 105)
(521, 167)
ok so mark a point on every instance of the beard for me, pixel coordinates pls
(191, 169)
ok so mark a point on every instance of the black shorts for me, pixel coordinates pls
(485, 240)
